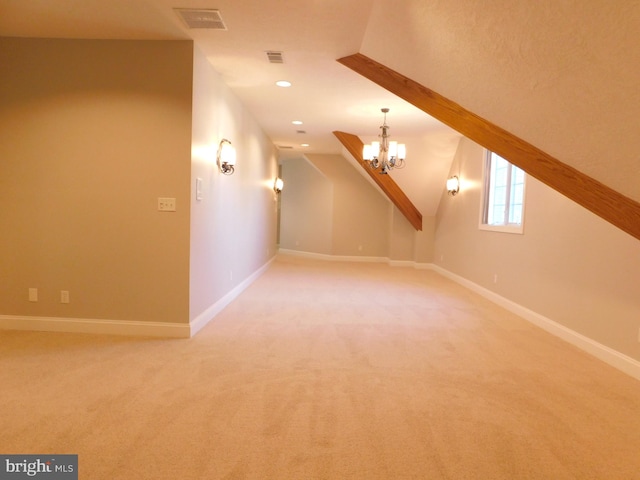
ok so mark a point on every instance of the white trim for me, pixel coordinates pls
(402, 263)
(618, 360)
(516, 229)
(423, 266)
(333, 258)
(362, 259)
(200, 321)
(95, 326)
(127, 327)
(501, 228)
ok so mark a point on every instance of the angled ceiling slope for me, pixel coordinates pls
(354, 145)
(605, 202)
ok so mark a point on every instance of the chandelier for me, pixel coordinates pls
(384, 155)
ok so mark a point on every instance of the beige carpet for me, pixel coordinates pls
(326, 370)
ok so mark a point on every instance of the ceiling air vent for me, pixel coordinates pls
(209, 19)
(275, 57)
(285, 147)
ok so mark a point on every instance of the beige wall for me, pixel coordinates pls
(360, 213)
(569, 265)
(306, 212)
(424, 240)
(403, 237)
(329, 208)
(91, 134)
(233, 227)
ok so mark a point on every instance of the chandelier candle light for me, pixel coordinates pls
(385, 155)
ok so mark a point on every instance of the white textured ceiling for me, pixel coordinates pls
(561, 74)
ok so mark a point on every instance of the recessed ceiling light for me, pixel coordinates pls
(297, 122)
(283, 83)
(304, 144)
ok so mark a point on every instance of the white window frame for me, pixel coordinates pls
(484, 204)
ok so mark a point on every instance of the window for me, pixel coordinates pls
(503, 199)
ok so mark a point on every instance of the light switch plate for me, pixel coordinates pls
(166, 204)
(198, 189)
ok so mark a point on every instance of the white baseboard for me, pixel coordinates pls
(333, 258)
(199, 322)
(126, 327)
(402, 263)
(363, 259)
(608, 355)
(618, 360)
(95, 326)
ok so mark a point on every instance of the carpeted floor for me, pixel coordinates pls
(325, 370)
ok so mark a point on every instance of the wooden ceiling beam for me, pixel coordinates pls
(593, 195)
(354, 145)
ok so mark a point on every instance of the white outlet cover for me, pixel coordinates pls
(166, 204)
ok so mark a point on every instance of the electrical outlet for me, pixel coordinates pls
(166, 204)
(64, 296)
(33, 294)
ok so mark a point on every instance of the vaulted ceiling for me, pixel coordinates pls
(562, 75)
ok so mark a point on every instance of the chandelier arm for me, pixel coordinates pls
(383, 159)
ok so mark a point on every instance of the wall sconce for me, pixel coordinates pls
(226, 158)
(278, 185)
(453, 185)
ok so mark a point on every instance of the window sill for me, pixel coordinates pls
(516, 229)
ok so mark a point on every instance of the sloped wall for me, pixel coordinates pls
(360, 216)
(329, 208)
(569, 265)
(561, 75)
(306, 214)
